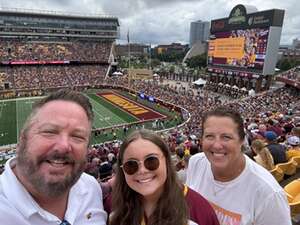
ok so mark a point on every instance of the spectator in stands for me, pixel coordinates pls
(147, 190)
(263, 156)
(105, 168)
(296, 131)
(241, 191)
(293, 147)
(45, 183)
(277, 150)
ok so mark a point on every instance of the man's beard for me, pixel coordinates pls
(30, 170)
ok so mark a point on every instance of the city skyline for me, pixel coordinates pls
(163, 22)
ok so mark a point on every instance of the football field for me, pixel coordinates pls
(110, 110)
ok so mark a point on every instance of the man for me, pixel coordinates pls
(45, 183)
(277, 150)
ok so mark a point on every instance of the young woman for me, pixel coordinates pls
(263, 155)
(241, 191)
(147, 191)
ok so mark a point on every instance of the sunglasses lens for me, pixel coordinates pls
(151, 163)
(131, 167)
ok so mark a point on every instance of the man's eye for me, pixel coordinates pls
(48, 131)
(79, 137)
(227, 138)
(209, 136)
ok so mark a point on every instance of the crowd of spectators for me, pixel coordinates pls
(226, 89)
(292, 74)
(40, 77)
(47, 64)
(45, 51)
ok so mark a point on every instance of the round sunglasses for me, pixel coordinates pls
(132, 166)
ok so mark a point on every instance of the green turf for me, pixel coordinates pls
(8, 125)
(13, 114)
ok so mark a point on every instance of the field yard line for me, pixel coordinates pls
(139, 104)
(100, 114)
(19, 99)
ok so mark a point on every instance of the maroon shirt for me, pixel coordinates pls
(201, 212)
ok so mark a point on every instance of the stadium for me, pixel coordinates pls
(44, 52)
(41, 52)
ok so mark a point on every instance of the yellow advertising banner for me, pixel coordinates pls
(140, 74)
(227, 48)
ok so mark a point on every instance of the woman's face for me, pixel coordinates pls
(221, 143)
(148, 183)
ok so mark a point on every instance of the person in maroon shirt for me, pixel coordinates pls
(147, 191)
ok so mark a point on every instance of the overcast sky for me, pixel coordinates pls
(164, 21)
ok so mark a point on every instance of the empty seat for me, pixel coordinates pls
(292, 190)
(288, 168)
(296, 159)
(277, 173)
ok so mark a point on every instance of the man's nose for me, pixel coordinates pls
(63, 143)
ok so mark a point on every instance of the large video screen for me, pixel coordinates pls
(239, 48)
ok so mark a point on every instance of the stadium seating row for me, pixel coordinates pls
(289, 168)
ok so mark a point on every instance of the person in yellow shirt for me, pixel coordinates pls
(294, 147)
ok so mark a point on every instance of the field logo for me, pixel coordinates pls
(125, 104)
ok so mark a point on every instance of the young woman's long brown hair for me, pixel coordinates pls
(127, 204)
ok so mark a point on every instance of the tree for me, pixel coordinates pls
(155, 62)
(197, 61)
(284, 64)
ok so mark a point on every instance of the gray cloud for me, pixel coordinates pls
(164, 21)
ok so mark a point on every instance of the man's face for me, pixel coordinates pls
(52, 153)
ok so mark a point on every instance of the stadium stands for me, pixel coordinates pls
(50, 51)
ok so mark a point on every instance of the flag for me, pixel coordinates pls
(128, 36)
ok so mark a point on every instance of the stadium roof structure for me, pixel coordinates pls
(56, 14)
(54, 25)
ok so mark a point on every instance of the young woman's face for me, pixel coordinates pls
(148, 183)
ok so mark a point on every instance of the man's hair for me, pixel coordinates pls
(225, 111)
(65, 95)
